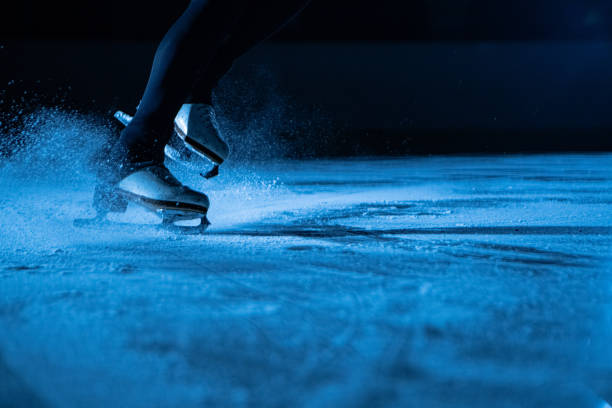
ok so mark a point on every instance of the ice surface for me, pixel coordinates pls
(425, 282)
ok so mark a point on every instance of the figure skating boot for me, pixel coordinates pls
(196, 128)
(150, 185)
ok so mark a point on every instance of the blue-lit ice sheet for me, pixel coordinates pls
(434, 282)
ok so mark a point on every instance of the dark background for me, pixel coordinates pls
(338, 20)
(390, 77)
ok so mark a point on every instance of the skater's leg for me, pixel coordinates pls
(190, 44)
(261, 20)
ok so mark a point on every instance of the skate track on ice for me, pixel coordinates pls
(425, 282)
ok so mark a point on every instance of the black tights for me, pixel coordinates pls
(194, 55)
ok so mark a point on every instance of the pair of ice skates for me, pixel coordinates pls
(152, 186)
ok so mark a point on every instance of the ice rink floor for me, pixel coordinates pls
(412, 282)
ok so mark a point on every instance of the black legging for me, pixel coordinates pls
(194, 55)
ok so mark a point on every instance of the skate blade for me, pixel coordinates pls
(174, 216)
(194, 163)
(123, 117)
(117, 226)
(183, 222)
(201, 151)
(167, 220)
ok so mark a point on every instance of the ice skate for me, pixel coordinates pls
(197, 132)
(152, 186)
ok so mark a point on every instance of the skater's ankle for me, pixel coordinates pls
(205, 98)
(135, 150)
(133, 155)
